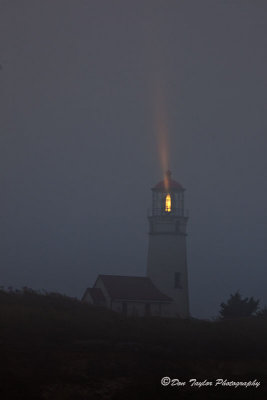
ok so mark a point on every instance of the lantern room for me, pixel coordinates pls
(168, 197)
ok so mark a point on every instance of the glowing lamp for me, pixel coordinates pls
(168, 203)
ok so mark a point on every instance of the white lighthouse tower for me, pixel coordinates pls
(166, 262)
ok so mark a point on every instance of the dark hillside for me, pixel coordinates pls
(54, 347)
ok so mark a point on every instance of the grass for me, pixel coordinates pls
(56, 347)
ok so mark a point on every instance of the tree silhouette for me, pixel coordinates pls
(237, 307)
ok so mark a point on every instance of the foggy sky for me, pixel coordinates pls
(79, 152)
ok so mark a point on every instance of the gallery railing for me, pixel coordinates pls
(177, 212)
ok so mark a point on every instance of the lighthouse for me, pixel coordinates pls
(166, 261)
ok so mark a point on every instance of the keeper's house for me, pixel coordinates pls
(131, 295)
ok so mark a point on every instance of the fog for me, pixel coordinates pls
(79, 148)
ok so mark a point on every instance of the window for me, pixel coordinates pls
(147, 310)
(177, 280)
(124, 308)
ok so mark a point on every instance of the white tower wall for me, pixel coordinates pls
(166, 262)
(167, 257)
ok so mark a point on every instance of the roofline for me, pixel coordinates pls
(85, 293)
(124, 276)
(125, 299)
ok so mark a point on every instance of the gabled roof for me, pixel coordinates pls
(138, 288)
(96, 294)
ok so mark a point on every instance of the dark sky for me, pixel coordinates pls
(78, 140)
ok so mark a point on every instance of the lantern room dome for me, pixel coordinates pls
(168, 184)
